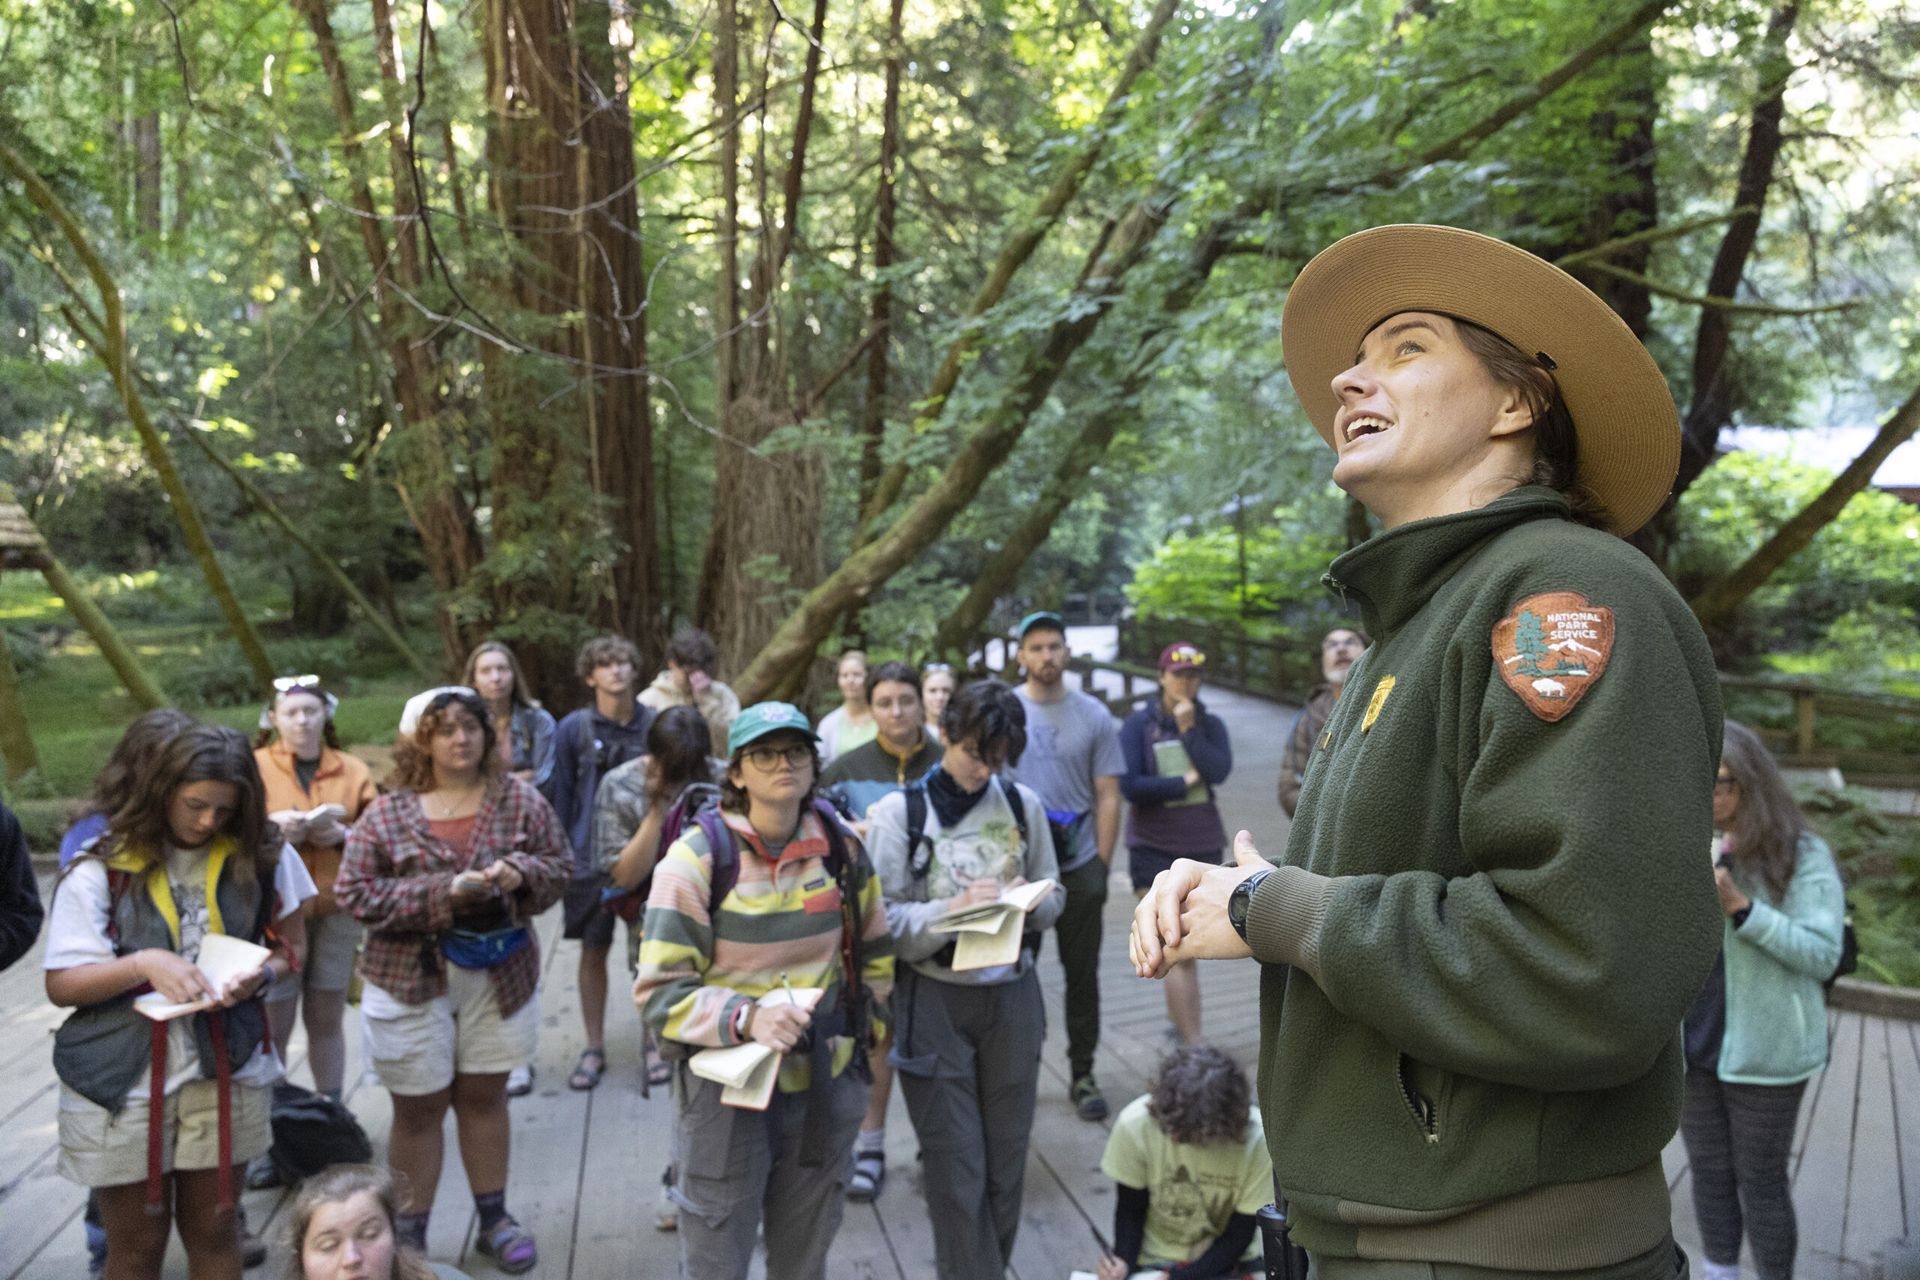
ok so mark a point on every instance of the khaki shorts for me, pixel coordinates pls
(332, 942)
(100, 1149)
(416, 1049)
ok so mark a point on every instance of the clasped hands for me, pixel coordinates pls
(1184, 915)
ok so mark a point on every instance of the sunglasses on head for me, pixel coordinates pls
(932, 667)
(1188, 656)
(287, 684)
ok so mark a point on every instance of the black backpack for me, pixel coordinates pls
(920, 849)
(312, 1131)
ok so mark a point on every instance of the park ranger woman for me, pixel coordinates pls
(1491, 912)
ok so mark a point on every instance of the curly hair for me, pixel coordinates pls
(413, 756)
(604, 651)
(333, 1185)
(1199, 1095)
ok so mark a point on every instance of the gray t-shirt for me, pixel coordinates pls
(1069, 743)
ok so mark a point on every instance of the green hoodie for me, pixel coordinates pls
(1494, 909)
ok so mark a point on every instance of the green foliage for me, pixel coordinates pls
(1852, 595)
(1255, 579)
(1879, 859)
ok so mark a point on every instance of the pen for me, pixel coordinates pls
(788, 986)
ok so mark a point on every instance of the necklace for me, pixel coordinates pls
(452, 805)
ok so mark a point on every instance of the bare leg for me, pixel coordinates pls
(415, 1146)
(136, 1243)
(326, 1042)
(480, 1113)
(1183, 1001)
(593, 994)
(210, 1233)
(882, 1092)
(280, 1018)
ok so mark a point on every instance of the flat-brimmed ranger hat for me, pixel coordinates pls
(763, 718)
(1626, 430)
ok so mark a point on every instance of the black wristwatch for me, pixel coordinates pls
(1241, 899)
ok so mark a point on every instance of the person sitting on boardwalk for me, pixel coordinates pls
(446, 871)
(524, 728)
(589, 743)
(1493, 910)
(688, 681)
(1340, 648)
(1177, 752)
(967, 1047)
(343, 1229)
(303, 767)
(1758, 1032)
(159, 1116)
(1189, 1163)
(903, 753)
(767, 896)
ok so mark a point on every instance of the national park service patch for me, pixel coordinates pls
(1552, 648)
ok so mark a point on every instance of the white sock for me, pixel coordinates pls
(871, 1142)
(1719, 1270)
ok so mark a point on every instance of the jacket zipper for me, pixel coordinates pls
(1424, 1113)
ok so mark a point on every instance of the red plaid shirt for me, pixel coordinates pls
(396, 878)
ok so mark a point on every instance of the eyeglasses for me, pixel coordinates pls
(770, 757)
(287, 684)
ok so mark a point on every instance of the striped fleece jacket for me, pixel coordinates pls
(697, 970)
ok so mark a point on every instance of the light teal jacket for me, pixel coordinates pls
(1777, 963)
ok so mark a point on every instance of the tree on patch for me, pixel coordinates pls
(1530, 641)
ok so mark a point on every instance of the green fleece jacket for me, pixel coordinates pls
(1494, 911)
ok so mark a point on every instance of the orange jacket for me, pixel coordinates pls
(341, 779)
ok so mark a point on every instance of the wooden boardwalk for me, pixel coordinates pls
(586, 1166)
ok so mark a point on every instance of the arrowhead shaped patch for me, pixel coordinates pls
(1552, 648)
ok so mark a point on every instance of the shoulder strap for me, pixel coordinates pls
(854, 991)
(118, 882)
(725, 857)
(919, 848)
(1011, 790)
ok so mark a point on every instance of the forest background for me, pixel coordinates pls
(336, 335)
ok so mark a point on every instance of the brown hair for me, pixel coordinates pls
(1199, 1095)
(733, 796)
(1764, 839)
(1556, 449)
(603, 651)
(989, 715)
(522, 696)
(413, 756)
(343, 1182)
(692, 649)
(892, 673)
(198, 753)
(147, 735)
(678, 743)
(328, 734)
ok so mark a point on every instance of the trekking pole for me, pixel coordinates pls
(1285, 1259)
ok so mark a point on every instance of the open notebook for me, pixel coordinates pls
(989, 932)
(222, 959)
(748, 1072)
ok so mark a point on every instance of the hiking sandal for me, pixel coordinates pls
(869, 1171)
(510, 1245)
(586, 1074)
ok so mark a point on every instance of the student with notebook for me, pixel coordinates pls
(967, 1045)
(1176, 752)
(764, 927)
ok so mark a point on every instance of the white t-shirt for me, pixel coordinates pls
(77, 935)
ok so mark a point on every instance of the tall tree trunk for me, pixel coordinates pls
(1626, 129)
(765, 541)
(16, 739)
(1712, 404)
(112, 334)
(873, 418)
(1723, 597)
(428, 487)
(146, 173)
(118, 653)
(560, 165)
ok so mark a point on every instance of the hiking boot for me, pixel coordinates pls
(1088, 1102)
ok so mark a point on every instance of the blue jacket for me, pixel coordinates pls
(1151, 821)
(1777, 962)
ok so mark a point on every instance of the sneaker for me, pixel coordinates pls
(667, 1216)
(253, 1250)
(1087, 1099)
(520, 1081)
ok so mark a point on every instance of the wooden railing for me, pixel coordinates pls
(1286, 670)
(1804, 746)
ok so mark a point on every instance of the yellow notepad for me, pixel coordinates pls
(747, 1073)
(990, 931)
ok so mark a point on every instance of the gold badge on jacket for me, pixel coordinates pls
(1552, 648)
(1377, 702)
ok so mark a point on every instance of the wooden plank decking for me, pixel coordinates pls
(585, 1167)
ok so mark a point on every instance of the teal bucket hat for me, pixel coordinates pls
(763, 718)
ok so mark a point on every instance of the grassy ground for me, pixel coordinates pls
(76, 708)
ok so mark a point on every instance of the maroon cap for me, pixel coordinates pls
(1182, 656)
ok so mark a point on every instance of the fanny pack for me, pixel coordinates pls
(476, 950)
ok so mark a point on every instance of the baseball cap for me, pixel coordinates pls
(763, 718)
(1182, 655)
(1039, 618)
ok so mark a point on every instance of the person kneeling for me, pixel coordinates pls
(1190, 1168)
